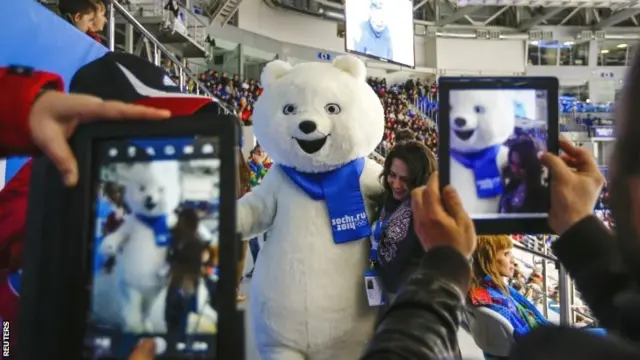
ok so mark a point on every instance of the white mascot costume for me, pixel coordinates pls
(319, 122)
(140, 247)
(480, 121)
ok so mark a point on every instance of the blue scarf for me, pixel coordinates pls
(159, 226)
(340, 189)
(508, 306)
(485, 170)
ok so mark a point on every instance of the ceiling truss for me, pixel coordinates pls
(439, 13)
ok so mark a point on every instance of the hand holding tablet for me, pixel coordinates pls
(577, 185)
(491, 131)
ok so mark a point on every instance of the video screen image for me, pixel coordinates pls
(382, 29)
(495, 138)
(155, 250)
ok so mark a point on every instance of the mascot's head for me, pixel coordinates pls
(480, 118)
(316, 117)
(151, 189)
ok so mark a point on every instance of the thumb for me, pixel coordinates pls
(54, 145)
(145, 350)
(454, 204)
(556, 166)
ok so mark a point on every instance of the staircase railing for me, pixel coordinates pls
(158, 50)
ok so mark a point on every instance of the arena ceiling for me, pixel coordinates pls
(514, 15)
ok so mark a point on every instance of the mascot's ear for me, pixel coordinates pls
(274, 71)
(351, 65)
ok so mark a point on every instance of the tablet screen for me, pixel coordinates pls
(155, 247)
(495, 138)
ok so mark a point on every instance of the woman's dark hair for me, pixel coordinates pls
(404, 135)
(418, 158)
(71, 7)
(526, 148)
(186, 250)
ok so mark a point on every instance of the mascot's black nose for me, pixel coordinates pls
(149, 204)
(307, 126)
(460, 122)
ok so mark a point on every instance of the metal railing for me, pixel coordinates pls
(158, 50)
(567, 307)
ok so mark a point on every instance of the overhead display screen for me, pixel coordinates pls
(381, 29)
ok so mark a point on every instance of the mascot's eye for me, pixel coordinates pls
(142, 188)
(289, 109)
(332, 108)
(478, 109)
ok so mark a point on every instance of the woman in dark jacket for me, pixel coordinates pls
(396, 250)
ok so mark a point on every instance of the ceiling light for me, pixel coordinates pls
(621, 46)
(604, 51)
(533, 43)
(568, 43)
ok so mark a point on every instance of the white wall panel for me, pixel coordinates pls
(579, 75)
(480, 57)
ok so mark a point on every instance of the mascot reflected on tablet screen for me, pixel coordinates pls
(319, 122)
(480, 122)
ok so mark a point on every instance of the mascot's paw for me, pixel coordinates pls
(109, 246)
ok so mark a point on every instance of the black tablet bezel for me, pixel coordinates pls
(445, 85)
(67, 218)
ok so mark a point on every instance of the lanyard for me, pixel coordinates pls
(377, 236)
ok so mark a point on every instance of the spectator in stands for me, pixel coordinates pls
(492, 262)
(99, 21)
(523, 190)
(534, 288)
(244, 187)
(407, 166)
(80, 13)
(259, 163)
(257, 158)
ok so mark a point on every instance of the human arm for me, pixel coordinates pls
(422, 322)
(588, 253)
(34, 113)
(13, 216)
(19, 88)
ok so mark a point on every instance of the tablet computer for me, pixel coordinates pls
(491, 132)
(143, 247)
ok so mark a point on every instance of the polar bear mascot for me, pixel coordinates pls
(318, 121)
(480, 122)
(139, 245)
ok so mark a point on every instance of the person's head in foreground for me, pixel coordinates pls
(81, 13)
(377, 18)
(407, 166)
(493, 261)
(624, 170)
